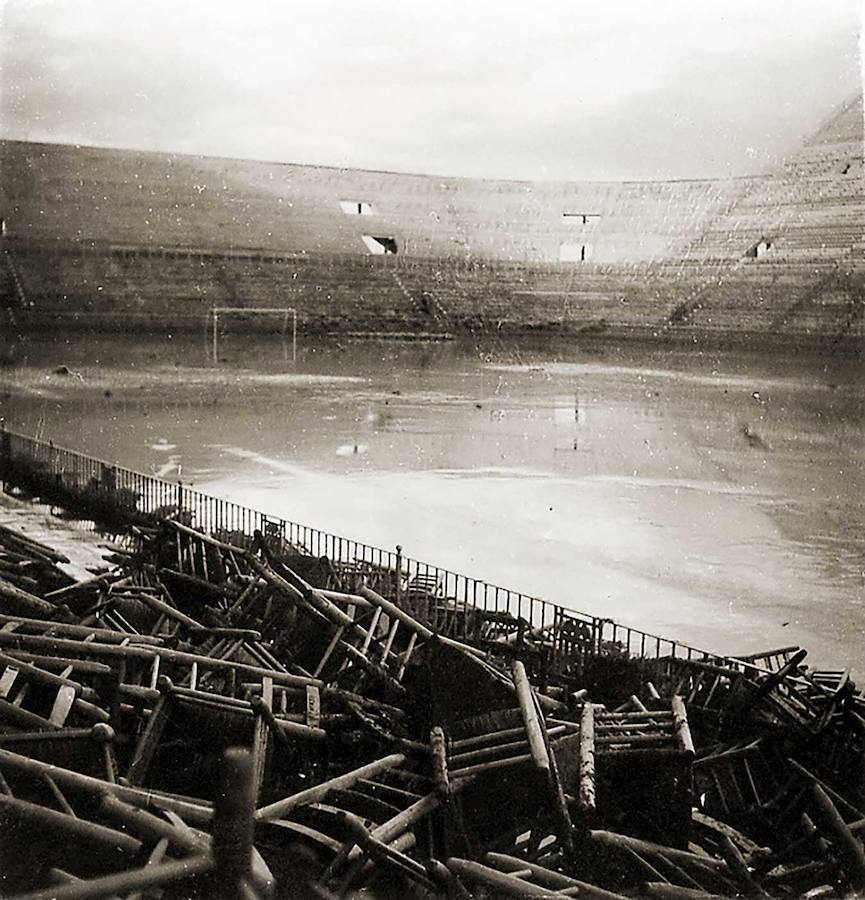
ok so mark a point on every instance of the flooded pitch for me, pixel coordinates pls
(718, 498)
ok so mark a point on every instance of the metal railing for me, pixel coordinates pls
(456, 597)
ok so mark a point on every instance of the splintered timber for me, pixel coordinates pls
(216, 712)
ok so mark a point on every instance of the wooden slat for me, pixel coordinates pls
(62, 705)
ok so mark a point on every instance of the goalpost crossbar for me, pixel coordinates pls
(284, 311)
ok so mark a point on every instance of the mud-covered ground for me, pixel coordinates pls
(74, 540)
(717, 497)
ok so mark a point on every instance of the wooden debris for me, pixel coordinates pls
(215, 706)
(587, 760)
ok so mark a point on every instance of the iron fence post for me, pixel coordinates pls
(398, 567)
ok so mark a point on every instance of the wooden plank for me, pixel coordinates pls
(383, 853)
(313, 706)
(389, 642)
(148, 653)
(125, 883)
(25, 602)
(371, 629)
(621, 841)
(334, 641)
(62, 705)
(58, 824)
(488, 766)
(149, 740)
(500, 884)
(438, 746)
(587, 797)
(534, 731)
(406, 656)
(261, 733)
(282, 808)
(548, 878)
(197, 812)
(15, 715)
(7, 681)
(851, 853)
(470, 757)
(680, 726)
(234, 822)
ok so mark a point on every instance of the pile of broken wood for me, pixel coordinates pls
(223, 715)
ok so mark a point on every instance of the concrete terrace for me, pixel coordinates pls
(98, 238)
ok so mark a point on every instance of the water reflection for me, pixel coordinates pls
(717, 497)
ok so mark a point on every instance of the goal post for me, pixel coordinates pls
(287, 312)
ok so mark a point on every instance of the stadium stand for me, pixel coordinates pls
(101, 239)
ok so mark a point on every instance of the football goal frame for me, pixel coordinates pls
(285, 311)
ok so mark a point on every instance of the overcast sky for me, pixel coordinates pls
(538, 89)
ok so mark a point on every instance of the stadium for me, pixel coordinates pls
(99, 239)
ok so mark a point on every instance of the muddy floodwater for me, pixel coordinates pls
(714, 497)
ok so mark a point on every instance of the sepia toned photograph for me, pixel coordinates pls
(432, 450)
